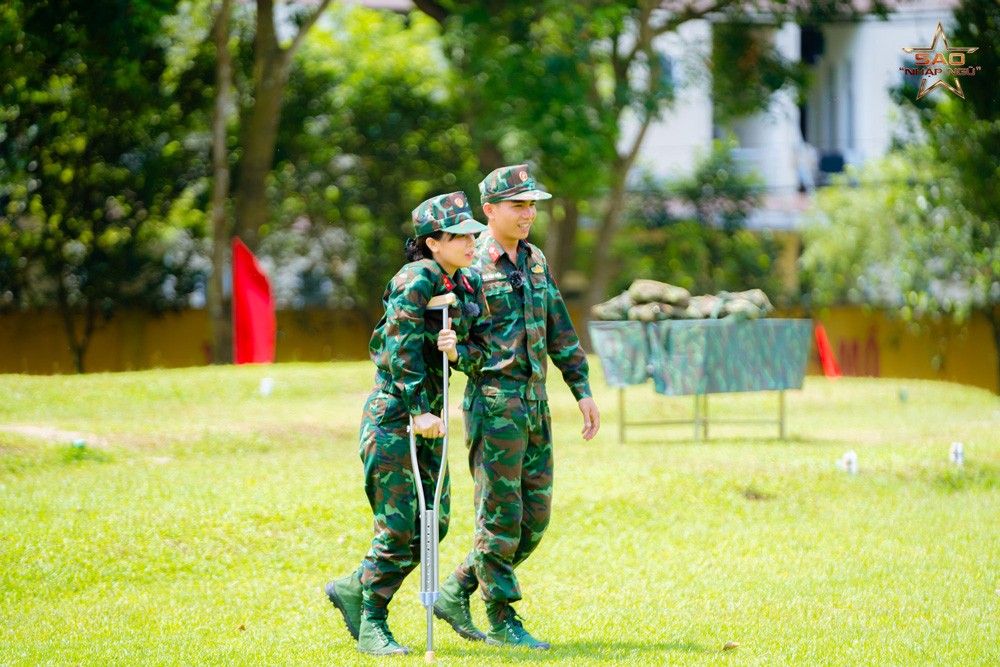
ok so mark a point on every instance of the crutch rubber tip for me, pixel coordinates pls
(429, 656)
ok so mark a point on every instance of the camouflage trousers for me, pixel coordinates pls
(389, 484)
(510, 457)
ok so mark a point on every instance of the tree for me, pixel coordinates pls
(882, 238)
(268, 59)
(370, 131)
(513, 58)
(367, 130)
(691, 232)
(271, 64)
(94, 211)
(965, 139)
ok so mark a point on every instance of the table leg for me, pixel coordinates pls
(621, 415)
(705, 432)
(781, 414)
(697, 418)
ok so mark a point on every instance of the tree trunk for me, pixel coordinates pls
(77, 345)
(601, 275)
(560, 244)
(259, 141)
(219, 305)
(489, 154)
(271, 67)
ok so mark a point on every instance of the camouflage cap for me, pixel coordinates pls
(447, 213)
(514, 182)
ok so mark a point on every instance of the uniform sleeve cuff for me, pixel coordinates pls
(419, 405)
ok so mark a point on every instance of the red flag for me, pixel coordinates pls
(826, 358)
(254, 324)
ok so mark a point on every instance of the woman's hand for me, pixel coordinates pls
(428, 425)
(447, 343)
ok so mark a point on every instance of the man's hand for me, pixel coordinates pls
(591, 417)
(428, 425)
(447, 342)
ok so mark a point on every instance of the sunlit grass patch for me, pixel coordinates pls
(200, 519)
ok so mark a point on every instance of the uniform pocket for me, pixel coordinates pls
(496, 287)
(387, 410)
(503, 305)
(538, 281)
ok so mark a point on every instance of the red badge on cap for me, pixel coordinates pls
(494, 253)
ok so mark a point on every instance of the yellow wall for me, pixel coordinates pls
(863, 343)
(36, 342)
(877, 345)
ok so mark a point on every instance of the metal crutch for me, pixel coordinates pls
(429, 517)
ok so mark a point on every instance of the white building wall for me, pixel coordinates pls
(770, 140)
(850, 110)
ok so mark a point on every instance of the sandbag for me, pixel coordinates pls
(653, 291)
(755, 296)
(703, 307)
(613, 309)
(651, 312)
(743, 309)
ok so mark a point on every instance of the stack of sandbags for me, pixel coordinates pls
(651, 301)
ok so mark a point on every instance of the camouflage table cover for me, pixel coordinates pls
(685, 357)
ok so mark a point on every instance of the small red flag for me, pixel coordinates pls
(254, 323)
(826, 358)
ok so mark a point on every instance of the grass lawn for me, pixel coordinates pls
(199, 521)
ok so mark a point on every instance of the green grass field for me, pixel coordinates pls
(199, 521)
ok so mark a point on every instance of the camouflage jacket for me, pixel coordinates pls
(530, 324)
(404, 343)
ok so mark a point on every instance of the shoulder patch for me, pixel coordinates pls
(538, 268)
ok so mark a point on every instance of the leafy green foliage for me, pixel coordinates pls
(719, 190)
(919, 231)
(689, 232)
(881, 236)
(369, 131)
(977, 23)
(90, 164)
(747, 70)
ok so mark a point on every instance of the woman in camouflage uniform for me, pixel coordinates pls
(406, 347)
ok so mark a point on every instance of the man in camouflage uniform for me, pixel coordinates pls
(406, 347)
(508, 428)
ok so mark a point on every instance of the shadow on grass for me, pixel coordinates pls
(584, 651)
